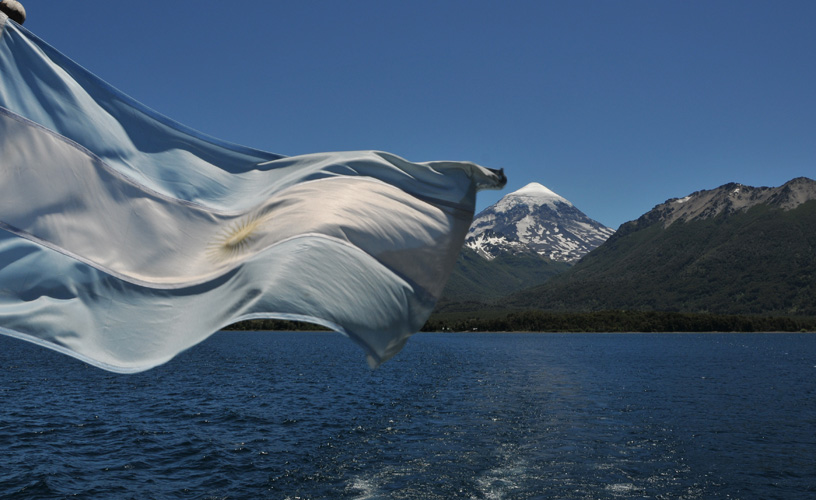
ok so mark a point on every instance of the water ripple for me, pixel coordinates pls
(476, 416)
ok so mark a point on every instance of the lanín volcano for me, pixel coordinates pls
(535, 218)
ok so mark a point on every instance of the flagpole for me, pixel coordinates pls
(14, 10)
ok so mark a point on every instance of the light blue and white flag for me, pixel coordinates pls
(126, 238)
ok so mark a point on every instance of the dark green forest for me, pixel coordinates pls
(492, 320)
(761, 262)
(614, 321)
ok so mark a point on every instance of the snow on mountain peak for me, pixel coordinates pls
(536, 189)
(533, 194)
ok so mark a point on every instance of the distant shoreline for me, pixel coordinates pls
(533, 321)
(615, 322)
(622, 332)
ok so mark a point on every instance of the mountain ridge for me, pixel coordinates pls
(734, 249)
(730, 198)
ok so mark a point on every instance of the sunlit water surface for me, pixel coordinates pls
(475, 416)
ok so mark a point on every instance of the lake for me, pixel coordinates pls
(472, 416)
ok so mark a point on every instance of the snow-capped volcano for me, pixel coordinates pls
(535, 218)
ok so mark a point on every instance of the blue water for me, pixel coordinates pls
(472, 416)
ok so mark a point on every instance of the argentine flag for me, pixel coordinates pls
(126, 238)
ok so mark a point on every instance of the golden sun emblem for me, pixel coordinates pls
(236, 239)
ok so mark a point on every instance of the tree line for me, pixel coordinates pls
(617, 321)
(599, 321)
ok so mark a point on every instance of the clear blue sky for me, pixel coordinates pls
(615, 105)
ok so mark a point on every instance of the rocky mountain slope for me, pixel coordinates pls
(729, 199)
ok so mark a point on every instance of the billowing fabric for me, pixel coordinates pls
(126, 238)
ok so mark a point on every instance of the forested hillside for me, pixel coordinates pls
(758, 261)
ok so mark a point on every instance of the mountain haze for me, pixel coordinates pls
(476, 279)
